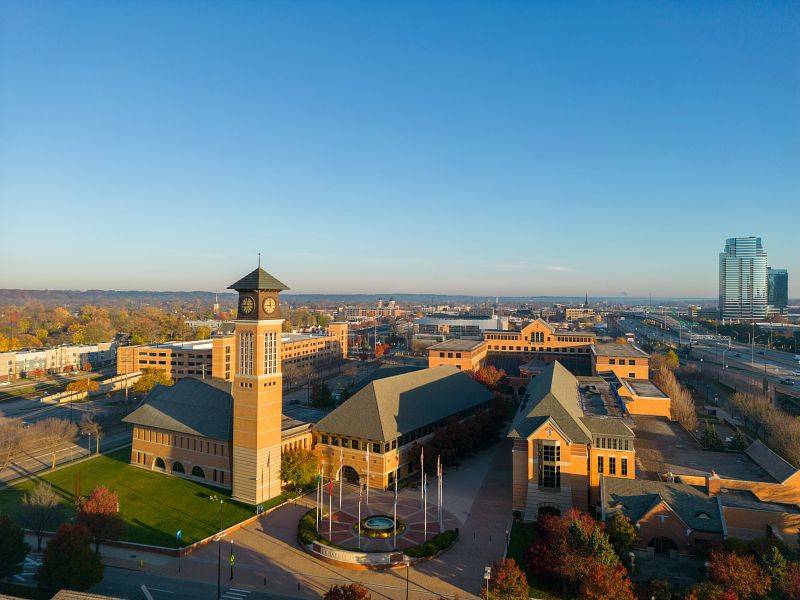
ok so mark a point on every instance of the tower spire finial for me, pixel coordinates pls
(259, 260)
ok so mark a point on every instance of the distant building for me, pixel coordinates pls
(743, 279)
(457, 325)
(56, 359)
(778, 288)
(465, 354)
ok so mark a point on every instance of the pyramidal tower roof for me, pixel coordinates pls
(258, 280)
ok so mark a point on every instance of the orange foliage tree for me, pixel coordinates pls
(99, 513)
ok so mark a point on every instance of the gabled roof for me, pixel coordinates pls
(635, 498)
(772, 463)
(553, 394)
(191, 406)
(389, 407)
(258, 280)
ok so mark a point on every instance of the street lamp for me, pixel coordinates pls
(487, 574)
(407, 563)
(216, 499)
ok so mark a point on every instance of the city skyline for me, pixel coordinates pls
(516, 151)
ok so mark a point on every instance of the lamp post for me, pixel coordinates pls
(407, 563)
(487, 574)
(217, 499)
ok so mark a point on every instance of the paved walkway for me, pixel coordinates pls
(269, 559)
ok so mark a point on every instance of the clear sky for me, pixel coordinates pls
(456, 147)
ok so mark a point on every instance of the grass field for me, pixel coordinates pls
(153, 505)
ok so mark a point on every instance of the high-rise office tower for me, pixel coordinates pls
(778, 288)
(743, 279)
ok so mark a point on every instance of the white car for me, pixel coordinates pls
(4, 383)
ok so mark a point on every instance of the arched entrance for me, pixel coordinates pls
(546, 510)
(662, 546)
(198, 472)
(178, 468)
(350, 475)
(159, 464)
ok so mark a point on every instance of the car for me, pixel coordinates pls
(738, 355)
(787, 381)
(796, 373)
(4, 383)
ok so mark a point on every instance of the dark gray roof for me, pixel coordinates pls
(191, 406)
(607, 426)
(771, 462)
(553, 394)
(636, 497)
(389, 407)
(458, 345)
(258, 280)
(616, 349)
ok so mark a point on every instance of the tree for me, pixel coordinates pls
(606, 583)
(52, 433)
(490, 376)
(776, 567)
(13, 548)
(321, 396)
(738, 573)
(99, 513)
(621, 532)
(791, 583)
(202, 333)
(11, 441)
(90, 427)
(710, 591)
(351, 591)
(299, 467)
(40, 511)
(149, 379)
(83, 385)
(381, 349)
(69, 561)
(710, 439)
(507, 581)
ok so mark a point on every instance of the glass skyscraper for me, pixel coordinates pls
(743, 279)
(778, 288)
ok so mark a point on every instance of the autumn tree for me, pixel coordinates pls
(99, 513)
(69, 562)
(83, 385)
(40, 511)
(321, 395)
(91, 427)
(738, 573)
(669, 361)
(11, 441)
(507, 581)
(604, 582)
(350, 591)
(490, 376)
(622, 533)
(299, 467)
(13, 548)
(681, 403)
(149, 379)
(52, 433)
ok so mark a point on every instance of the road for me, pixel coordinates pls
(50, 384)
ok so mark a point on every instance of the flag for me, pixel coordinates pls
(330, 487)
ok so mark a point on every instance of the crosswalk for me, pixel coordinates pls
(235, 594)
(29, 568)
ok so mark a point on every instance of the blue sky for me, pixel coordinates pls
(455, 147)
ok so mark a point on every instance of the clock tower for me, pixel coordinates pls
(257, 389)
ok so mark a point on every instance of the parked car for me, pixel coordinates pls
(4, 383)
(787, 381)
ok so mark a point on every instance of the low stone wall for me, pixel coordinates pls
(356, 560)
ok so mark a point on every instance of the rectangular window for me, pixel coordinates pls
(612, 361)
(550, 476)
(246, 353)
(376, 448)
(599, 464)
(612, 465)
(270, 353)
(324, 439)
(550, 452)
(624, 467)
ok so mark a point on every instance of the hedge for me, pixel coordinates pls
(436, 544)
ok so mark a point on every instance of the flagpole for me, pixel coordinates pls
(422, 473)
(439, 491)
(341, 460)
(367, 473)
(330, 511)
(425, 507)
(358, 524)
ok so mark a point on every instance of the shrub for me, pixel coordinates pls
(438, 543)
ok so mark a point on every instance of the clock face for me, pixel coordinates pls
(269, 305)
(247, 305)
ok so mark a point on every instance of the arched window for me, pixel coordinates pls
(159, 464)
(198, 472)
(178, 467)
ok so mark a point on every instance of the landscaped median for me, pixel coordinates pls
(154, 506)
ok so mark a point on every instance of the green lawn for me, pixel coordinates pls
(153, 505)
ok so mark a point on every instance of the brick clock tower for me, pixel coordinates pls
(257, 389)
